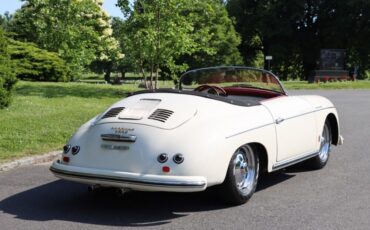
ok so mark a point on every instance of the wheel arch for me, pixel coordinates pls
(262, 155)
(334, 127)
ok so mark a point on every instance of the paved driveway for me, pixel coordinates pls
(337, 197)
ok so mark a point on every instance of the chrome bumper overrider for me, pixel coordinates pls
(129, 180)
(340, 140)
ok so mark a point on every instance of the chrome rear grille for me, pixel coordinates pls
(161, 115)
(112, 112)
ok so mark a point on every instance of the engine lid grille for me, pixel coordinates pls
(161, 115)
(113, 112)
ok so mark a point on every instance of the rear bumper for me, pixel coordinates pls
(133, 181)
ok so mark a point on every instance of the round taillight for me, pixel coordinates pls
(166, 169)
(75, 149)
(66, 149)
(66, 159)
(178, 158)
(163, 157)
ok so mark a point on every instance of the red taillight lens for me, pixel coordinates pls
(66, 159)
(166, 169)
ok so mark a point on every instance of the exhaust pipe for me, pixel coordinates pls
(92, 188)
(121, 191)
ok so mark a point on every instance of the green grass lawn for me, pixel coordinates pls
(360, 84)
(43, 116)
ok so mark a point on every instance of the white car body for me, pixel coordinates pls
(205, 131)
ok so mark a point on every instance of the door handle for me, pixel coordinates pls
(279, 120)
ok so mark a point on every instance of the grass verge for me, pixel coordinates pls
(360, 84)
(43, 116)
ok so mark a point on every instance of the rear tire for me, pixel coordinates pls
(319, 161)
(242, 175)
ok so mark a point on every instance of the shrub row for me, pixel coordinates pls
(7, 77)
(32, 63)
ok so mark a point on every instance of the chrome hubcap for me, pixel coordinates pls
(245, 170)
(325, 144)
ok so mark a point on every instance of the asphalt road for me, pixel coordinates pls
(337, 197)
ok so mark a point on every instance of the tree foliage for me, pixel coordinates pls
(78, 30)
(7, 77)
(172, 35)
(157, 34)
(293, 32)
(32, 63)
(5, 20)
(214, 34)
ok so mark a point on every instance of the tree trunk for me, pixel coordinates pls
(108, 71)
(144, 77)
(151, 76)
(158, 46)
(123, 74)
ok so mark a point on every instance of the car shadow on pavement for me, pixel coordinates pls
(68, 201)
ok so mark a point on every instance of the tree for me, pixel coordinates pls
(32, 63)
(108, 48)
(293, 32)
(171, 35)
(156, 34)
(78, 30)
(125, 64)
(7, 78)
(214, 34)
(5, 20)
(346, 25)
(268, 27)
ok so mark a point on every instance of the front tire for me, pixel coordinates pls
(242, 175)
(319, 161)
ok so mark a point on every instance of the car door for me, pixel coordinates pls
(295, 126)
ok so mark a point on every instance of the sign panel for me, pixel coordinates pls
(332, 59)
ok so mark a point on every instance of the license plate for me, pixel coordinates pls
(115, 147)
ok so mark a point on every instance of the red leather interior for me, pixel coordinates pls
(250, 92)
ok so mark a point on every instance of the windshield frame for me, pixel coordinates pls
(220, 68)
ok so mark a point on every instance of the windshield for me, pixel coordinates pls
(231, 77)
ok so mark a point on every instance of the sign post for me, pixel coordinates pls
(268, 59)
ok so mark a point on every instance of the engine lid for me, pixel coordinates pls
(163, 111)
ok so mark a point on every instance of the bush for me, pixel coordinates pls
(7, 77)
(33, 63)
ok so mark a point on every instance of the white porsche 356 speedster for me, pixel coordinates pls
(222, 126)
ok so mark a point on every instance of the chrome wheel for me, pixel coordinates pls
(242, 175)
(325, 144)
(319, 161)
(244, 170)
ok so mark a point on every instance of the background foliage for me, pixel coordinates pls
(78, 30)
(174, 35)
(293, 32)
(32, 63)
(62, 40)
(7, 77)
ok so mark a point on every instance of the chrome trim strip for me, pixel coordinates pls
(261, 126)
(289, 162)
(278, 121)
(118, 137)
(189, 184)
(314, 111)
